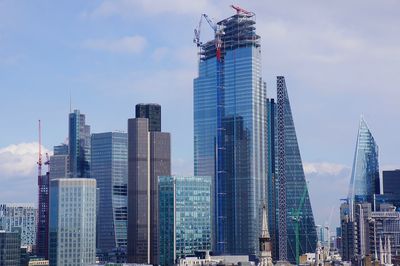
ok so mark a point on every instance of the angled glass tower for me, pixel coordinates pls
(109, 160)
(229, 133)
(287, 184)
(364, 181)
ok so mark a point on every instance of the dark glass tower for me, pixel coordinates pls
(149, 156)
(229, 134)
(79, 145)
(287, 184)
(152, 112)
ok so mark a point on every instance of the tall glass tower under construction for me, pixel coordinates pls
(229, 132)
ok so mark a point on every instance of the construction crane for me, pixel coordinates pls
(296, 218)
(39, 162)
(220, 146)
(243, 11)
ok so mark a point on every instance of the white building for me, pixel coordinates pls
(72, 239)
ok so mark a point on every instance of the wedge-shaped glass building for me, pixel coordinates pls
(229, 134)
(364, 181)
(289, 202)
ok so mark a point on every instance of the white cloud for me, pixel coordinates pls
(128, 44)
(324, 168)
(19, 160)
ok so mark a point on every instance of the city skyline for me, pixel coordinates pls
(95, 87)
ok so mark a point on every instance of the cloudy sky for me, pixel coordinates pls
(340, 58)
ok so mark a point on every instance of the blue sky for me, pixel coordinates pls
(341, 59)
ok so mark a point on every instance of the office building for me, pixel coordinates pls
(10, 244)
(72, 221)
(151, 111)
(79, 145)
(364, 181)
(290, 206)
(149, 156)
(184, 216)
(230, 133)
(59, 162)
(42, 230)
(109, 166)
(391, 187)
(323, 235)
(22, 218)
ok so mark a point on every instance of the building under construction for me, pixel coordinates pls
(230, 130)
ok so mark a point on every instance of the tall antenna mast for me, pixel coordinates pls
(40, 151)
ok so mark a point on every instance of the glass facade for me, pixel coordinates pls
(21, 217)
(184, 215)
(10, 248)
(79, 145)
(72, 222)
(109, 166)
(230, 94)
(286, 165)
(364, 181)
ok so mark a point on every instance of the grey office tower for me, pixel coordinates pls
(149, 156)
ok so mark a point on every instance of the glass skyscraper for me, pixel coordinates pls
(288, 193)
(109, 166)
(79, 145)
(364, 181)
(184, 216)
(72, 238)
(230, 134)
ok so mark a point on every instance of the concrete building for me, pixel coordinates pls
(22, 218)
(72, 222)
(149, 156)
(184, 217)
(109, 166)
(10, 243)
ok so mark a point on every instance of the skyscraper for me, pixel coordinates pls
(42, 233)
(184, 216)
(230, 132)
(59, 162)
(21, 217)
(149, 156)
(151, 111)
(72, 238)
(289, 188)
(79, 145)
(364, 181)
(109, 166)
(391, 185)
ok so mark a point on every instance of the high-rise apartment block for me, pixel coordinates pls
(149, 156)
(72, 222)
(21, 218)
(287, 187)
(109, 166)
(10, 246)
(184, 217)
(79, 145)
(230, 133)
